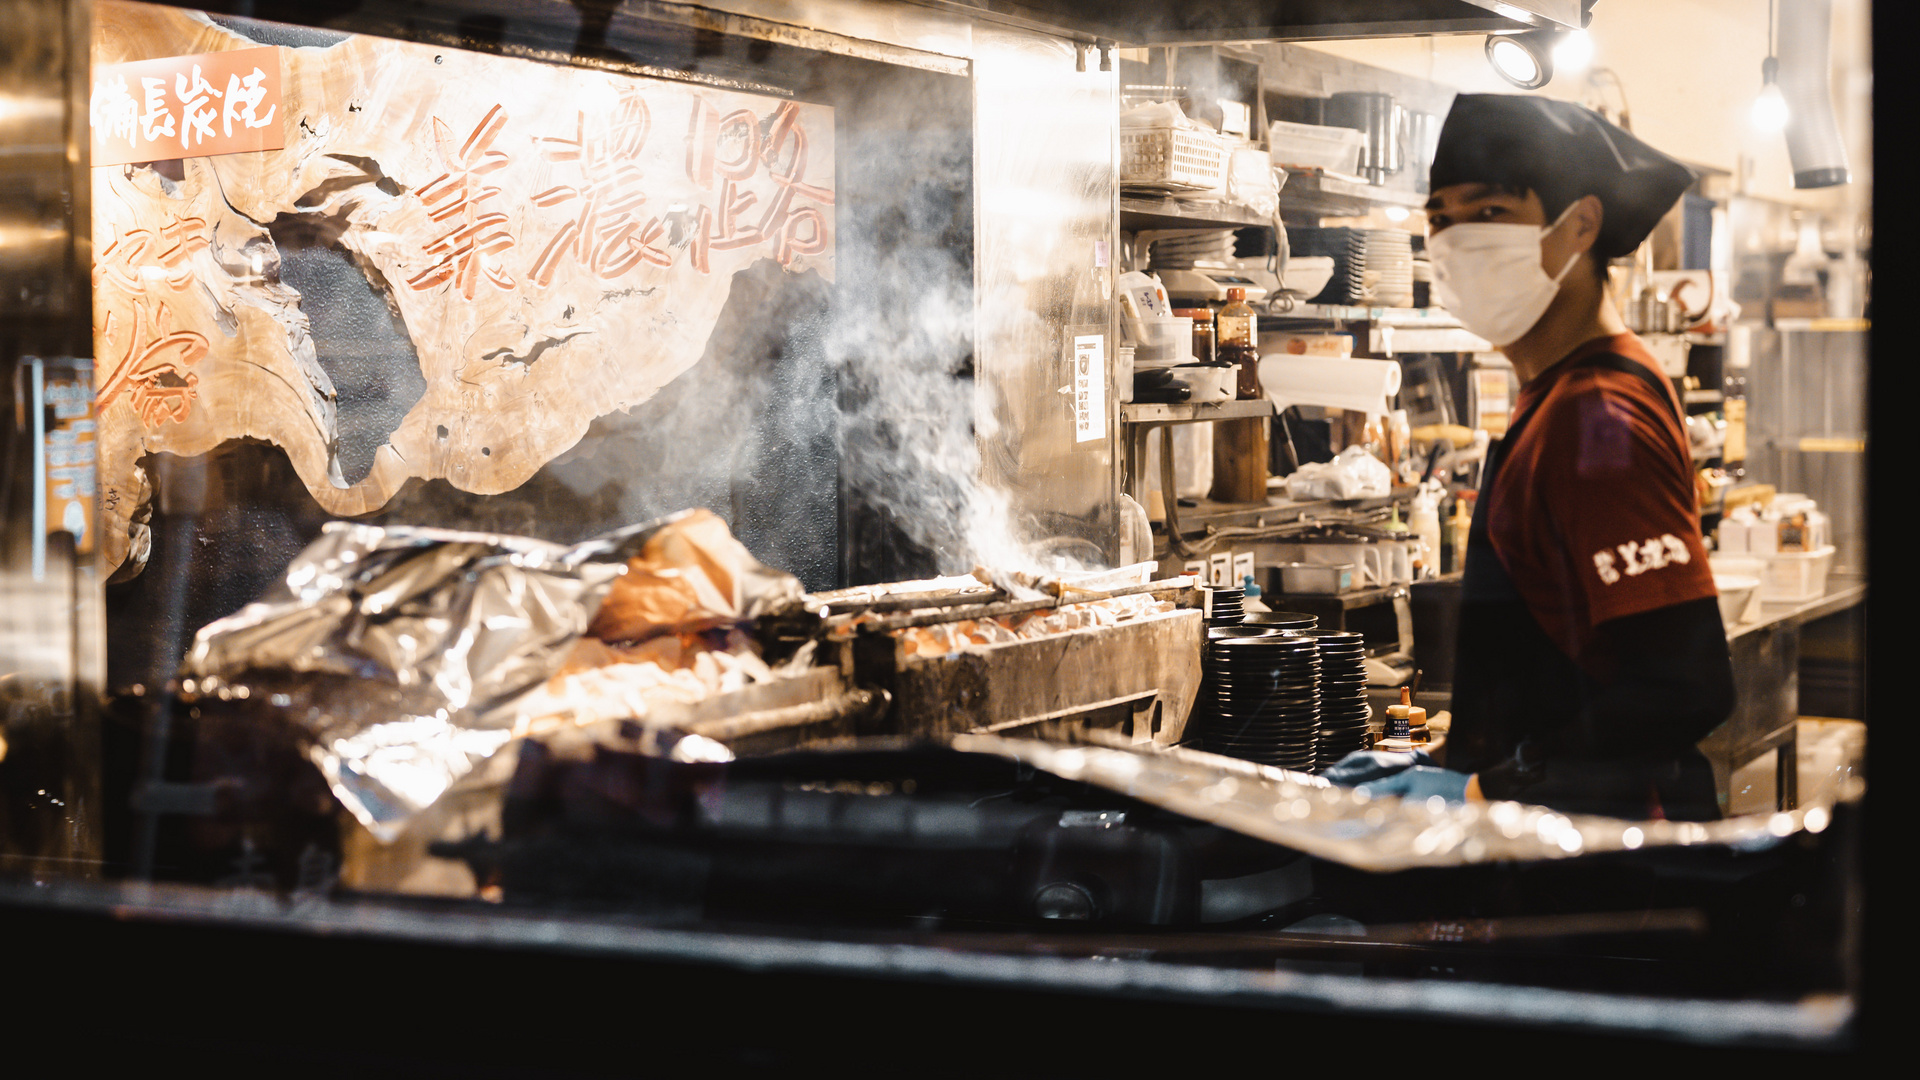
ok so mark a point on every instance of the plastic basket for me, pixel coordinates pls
(1332, 149)
(1170, 157)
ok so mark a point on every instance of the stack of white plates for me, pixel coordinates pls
(1389, 264)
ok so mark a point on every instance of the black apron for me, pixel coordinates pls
(1513, 686)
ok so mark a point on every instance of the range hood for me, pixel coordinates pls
(1157, 22)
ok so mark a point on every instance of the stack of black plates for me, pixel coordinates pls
(1344, 710)
(1265, 699)
(1282, 620)
(1229, 606)
(1348, 249)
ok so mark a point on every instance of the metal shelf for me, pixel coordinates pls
(1188, 412)
(1705, 397)
(1143, 212)
(1312, 193)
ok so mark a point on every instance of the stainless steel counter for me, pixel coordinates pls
(1843, 591)
(1766, 676)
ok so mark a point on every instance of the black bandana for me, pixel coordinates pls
(1561, 152)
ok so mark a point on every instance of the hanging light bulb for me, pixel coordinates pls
(1770, 111)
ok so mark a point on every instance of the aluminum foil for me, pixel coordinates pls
(1346, 826)
(401, 655)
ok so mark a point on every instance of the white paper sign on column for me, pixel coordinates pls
(1089, 387)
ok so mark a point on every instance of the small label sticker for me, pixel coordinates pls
(1099, 253)
(1089, 387)
(1242, 567)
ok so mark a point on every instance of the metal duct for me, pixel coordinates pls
(1813, 139)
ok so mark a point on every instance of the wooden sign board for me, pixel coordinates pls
(557, 242)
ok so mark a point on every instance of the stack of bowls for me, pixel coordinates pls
(1344, 709)
(1262, 690)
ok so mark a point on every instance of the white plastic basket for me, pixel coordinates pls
(1332, 149)
(1172, 157)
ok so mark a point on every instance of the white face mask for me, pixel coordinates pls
(1488, 275)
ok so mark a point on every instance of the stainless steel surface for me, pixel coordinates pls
(1141, 22)
(1344, 825)
(911, 34)
(52, 635)
(1807, 427)
(1046, 193)
(1766, 677)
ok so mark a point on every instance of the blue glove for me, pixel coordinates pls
(1363, 766)
(1422, 782)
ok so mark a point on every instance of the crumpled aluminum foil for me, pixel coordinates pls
(401, 654)
(1345, 825)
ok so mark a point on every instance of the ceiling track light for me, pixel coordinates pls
(1525, 59)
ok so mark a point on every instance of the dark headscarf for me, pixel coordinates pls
(1561, 152)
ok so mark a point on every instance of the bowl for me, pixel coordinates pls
(1307, 274)
(1736, 596)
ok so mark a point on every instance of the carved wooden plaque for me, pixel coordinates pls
(556, 242)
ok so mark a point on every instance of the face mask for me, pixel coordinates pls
(1488, 275)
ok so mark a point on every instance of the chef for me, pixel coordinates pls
(1591, 656)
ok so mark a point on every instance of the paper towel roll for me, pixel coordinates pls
(1331, 382)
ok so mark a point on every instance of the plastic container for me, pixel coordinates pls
(1331, 149)
(1796, 575)
(1310, 579)
(1210, 382)
(1203, 349)
(1161, 342)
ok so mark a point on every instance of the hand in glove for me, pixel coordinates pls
(1364, 766)
(1422, 782)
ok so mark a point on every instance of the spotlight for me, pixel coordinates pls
(1525, 60)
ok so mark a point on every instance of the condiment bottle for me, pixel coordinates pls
(1406, 724)
(1459, 528)
(1235, 339)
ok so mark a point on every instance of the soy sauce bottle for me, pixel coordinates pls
(1234, 338)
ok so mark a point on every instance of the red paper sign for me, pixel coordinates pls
(187, 106)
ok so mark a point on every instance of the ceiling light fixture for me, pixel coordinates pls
(1770, 108)
(1525, 60)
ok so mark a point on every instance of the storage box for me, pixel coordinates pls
(1331, 149)
(1308, 579)
(1172, 157)
(1796, 575)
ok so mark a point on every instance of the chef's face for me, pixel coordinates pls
(1457, 204)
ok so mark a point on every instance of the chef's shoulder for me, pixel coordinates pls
(1607, 420)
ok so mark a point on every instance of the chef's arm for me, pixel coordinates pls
(1674, 684)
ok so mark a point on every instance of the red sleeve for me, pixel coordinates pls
(1619, 491)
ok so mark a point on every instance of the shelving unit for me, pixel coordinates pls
(1139, 213)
